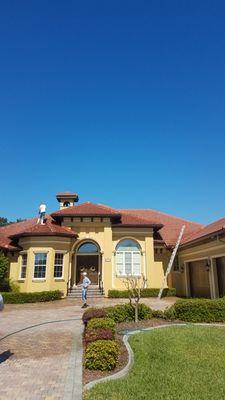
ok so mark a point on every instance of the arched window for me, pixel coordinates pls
(128, 258)
(88, 247)
(66, 204)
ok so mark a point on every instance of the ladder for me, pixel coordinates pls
(173, 255)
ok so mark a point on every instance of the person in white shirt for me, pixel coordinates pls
(42, 212)
(1, 303)
(85, 284)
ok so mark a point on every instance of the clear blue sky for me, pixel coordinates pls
(122, 102)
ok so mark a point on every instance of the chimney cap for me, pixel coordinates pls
(67, 195)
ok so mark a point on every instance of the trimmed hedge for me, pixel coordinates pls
(158, 314)
(96, 323)
(147, 292)
(99, 334)
(119, 313)
(126, 312)
(93, 313)
(20, 298)
(197, 310)
(102, 355)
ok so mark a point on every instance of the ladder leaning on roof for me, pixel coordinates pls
(173, 255)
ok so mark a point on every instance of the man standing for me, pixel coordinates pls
(1, 303)
(85, 284)
(42, 212)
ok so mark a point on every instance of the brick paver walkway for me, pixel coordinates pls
(45, 362)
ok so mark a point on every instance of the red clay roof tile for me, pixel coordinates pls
(171, 225)
(214, 227)
(87, 209)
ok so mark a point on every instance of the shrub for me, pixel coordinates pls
(19, 298)
(101, 355)
(93, 313)
(4, 264)
(158, 314)
(147, 292)
(99, 334)
(126, 312)
(5, 286)
(96, 323)
(198, 310)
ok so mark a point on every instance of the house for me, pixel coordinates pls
(111, 243)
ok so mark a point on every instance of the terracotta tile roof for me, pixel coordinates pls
(135, 220)
(87, 209)
(50, 228)
(7, 244)
(9, 233)
(214, 227)
(171, 225)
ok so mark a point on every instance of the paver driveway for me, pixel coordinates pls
(44, 362)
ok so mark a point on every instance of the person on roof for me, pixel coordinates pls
(41, 212)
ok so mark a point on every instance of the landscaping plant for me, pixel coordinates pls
(101, 355)
(96, 323)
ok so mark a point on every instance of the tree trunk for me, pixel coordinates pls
(136, 312)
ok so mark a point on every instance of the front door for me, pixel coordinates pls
(90, 264)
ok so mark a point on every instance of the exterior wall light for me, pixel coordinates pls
(182, 269)
(208, 265)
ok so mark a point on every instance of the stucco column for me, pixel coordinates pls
(187, 279)
(107, 261)
(149, 261)
(213, 280)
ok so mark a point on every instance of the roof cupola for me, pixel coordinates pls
(66, 199)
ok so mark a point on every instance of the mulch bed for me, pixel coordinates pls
(90, 375)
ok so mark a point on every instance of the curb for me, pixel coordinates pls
(124, 372)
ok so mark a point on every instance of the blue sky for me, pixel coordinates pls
(122, 102)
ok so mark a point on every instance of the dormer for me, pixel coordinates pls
(66, 199)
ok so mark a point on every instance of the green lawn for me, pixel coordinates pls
(178, 363)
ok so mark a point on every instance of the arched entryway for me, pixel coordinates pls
(87, 259)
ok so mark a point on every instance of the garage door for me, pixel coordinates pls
(220, 266)
(199, 279)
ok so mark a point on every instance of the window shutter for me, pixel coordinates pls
(136, 263)
(119, 263)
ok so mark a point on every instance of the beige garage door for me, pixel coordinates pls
(199, 279)
(220, 266)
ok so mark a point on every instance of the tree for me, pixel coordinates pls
(4, 263)
(4, 221)
(134, 284)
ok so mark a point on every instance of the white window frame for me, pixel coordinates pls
(132, 252)
(61, 277)
(43, 278)
(21, 266)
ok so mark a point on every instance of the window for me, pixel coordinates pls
(40, 265)
(128, 258)
(88, 247)
(66, 204)
(58, 265)
(23, 270)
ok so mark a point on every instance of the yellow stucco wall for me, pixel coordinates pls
(100, 231)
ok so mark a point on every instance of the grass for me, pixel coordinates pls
(174, 363)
